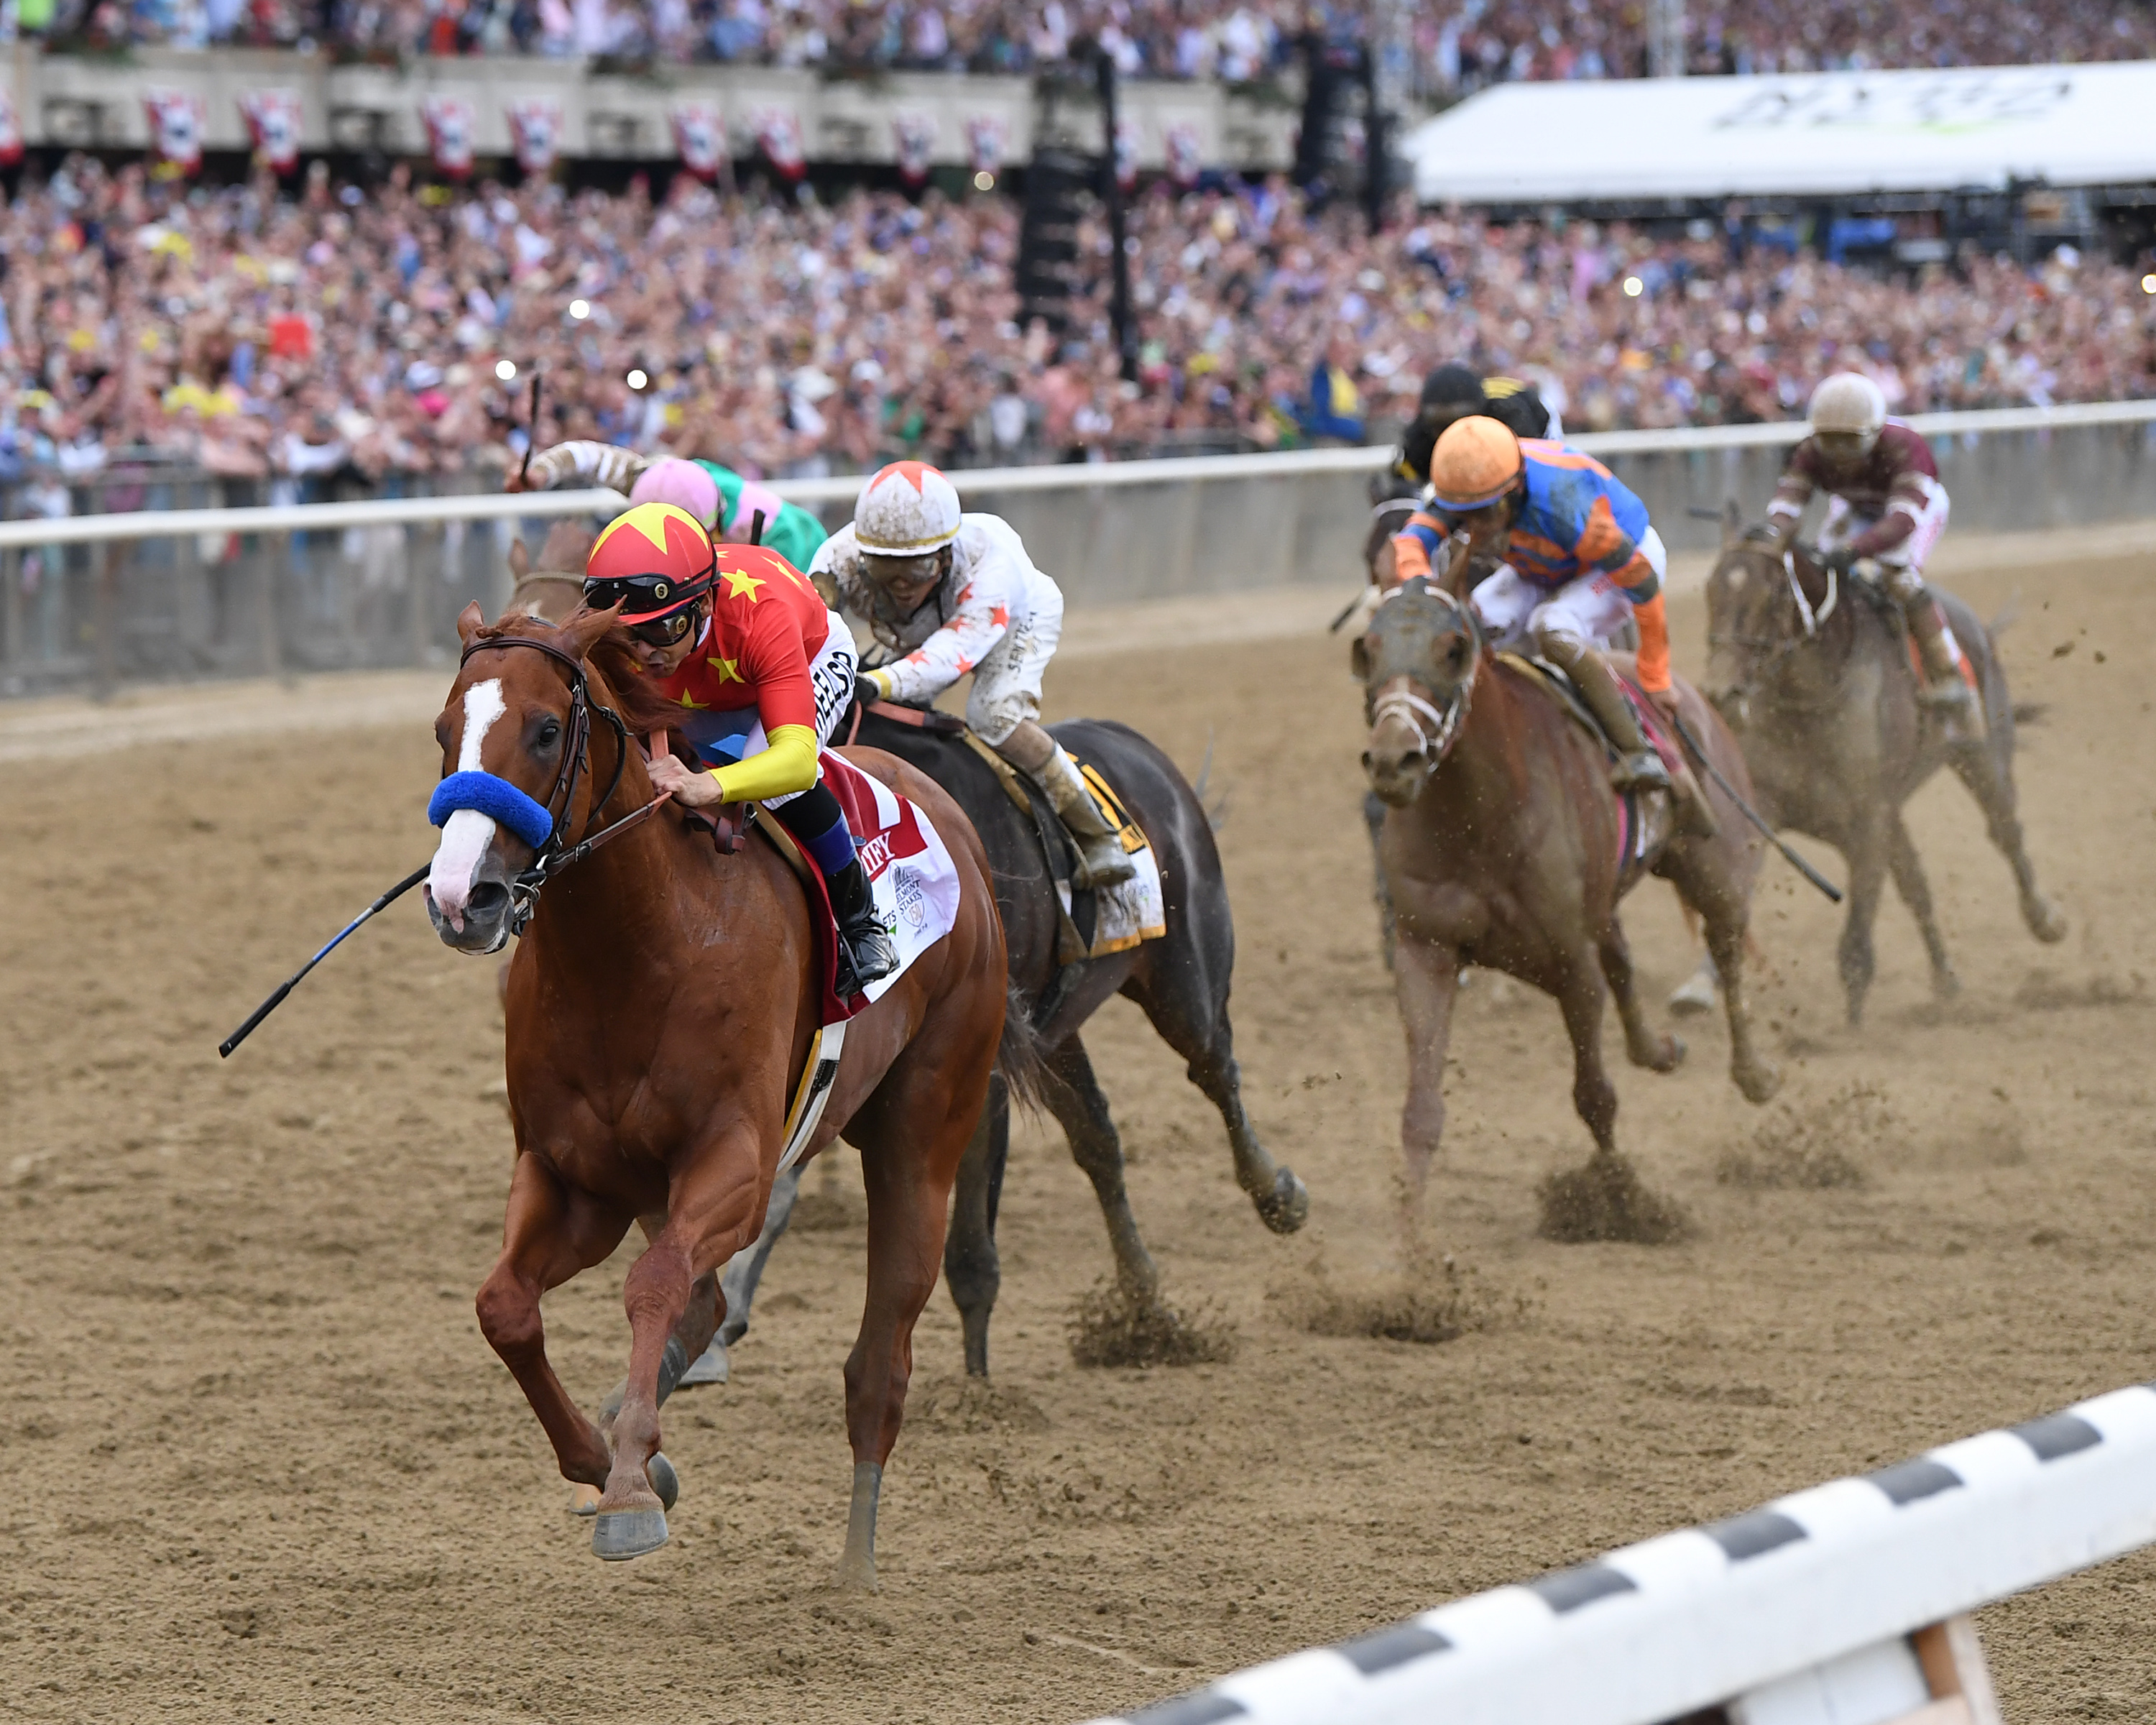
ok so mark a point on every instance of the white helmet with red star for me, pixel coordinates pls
(906, 510)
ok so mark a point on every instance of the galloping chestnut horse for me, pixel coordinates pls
(1505, 847)
(1813, 672)
(660, 1007)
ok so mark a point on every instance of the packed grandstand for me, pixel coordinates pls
(1456, 46)
(264, 335)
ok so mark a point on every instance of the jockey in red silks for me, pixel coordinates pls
(762, 670)
(1578, 556)
(1887, 506)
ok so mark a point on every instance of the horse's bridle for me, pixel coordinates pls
(1778, 648)
(557, 854)
(1412, 709)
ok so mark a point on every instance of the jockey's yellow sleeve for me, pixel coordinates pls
(788, 764)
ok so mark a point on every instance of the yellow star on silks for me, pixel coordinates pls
(690, 700)
(741, 584)
(728, 671)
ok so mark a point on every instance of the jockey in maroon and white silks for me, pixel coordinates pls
(1885, 504)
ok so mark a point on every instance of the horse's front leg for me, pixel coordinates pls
(711, 1214)
(1643, 1044)
(1867, 852)
(1426, 977)
(549, 1233)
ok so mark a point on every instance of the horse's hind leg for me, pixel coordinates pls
(1916, 891)
(1645, 1047)
(970, 1264)
(1190, 1012)
(1755, 1077)
(913, 1135)
(1988, 773)
(1078, 1104)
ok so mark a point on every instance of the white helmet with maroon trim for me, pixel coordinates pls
(1849, 405)
(906, 510)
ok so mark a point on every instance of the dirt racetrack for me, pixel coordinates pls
(266, 1467)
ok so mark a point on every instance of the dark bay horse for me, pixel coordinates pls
(1180, 981)
(1503, 847)
(660, 1007)
(1812, 671)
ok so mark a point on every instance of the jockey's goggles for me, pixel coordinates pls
(650, 600)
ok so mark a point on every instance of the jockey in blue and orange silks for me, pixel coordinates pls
(1576, 555)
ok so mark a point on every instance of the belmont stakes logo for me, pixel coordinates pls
(536, 126)
(272, 118)
(1950, 102)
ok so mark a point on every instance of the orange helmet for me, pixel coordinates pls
(652, 560)
(1475, 463)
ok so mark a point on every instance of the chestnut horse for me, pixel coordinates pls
(1812, 670)
(660, 1008)
(1504, 846)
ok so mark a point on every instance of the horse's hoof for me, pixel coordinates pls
(584, 1500)
(620, 1534)
(1668, 1057)
(1694, 998)
(665, 1480)
(1287, 1207)
(1757, 1084)
(857, 1575)
(2046, 920)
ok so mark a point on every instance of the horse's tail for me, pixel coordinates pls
(1213, 802)
(1018, 1057)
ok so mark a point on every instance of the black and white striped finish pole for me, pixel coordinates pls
(1807, 1598)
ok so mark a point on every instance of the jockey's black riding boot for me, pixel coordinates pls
(1638, 768)
(866, 944)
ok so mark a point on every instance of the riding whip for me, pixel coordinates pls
(1790, 852)
(224, 1049)
(531, 435)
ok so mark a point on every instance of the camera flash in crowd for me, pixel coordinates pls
(580, 308)
(637, 380)
(984, 181)
(1633, 287)
(505, 369)
(2149, 283)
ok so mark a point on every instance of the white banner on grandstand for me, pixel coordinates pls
(1822, 133)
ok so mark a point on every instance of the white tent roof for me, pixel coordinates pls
(1815, 133)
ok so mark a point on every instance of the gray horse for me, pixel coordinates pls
(1813, 672)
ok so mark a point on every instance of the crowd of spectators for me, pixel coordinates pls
(391, 334)
(1454, 46)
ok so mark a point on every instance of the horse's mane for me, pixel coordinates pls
(635, 695)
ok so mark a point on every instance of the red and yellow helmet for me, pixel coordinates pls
(652, 559)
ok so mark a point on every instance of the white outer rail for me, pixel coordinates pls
(1692, 1620)
(310, 517)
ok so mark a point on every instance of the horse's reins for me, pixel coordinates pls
(554, 856)
(1780, 647)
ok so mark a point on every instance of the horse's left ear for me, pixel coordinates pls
(1733, 524)
(1358, 659)
(469, 622)
(585, 626)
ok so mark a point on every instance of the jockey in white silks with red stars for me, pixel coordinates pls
(945, 592)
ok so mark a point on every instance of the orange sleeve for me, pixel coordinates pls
(1411, 557)
(1654, 644)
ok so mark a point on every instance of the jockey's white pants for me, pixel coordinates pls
(1592, 608)
(1843, 523)
(1006, 688)
(831, 680)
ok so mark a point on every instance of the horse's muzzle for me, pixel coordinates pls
(486, 915)
(1396, 773)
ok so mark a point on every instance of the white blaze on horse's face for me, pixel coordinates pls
(467, 835)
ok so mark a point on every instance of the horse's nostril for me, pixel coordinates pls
(486, 900)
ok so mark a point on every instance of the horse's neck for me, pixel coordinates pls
(1488, 764)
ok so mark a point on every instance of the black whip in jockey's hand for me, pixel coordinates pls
(523, 473)
(224, 1049)
(1790, 854)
